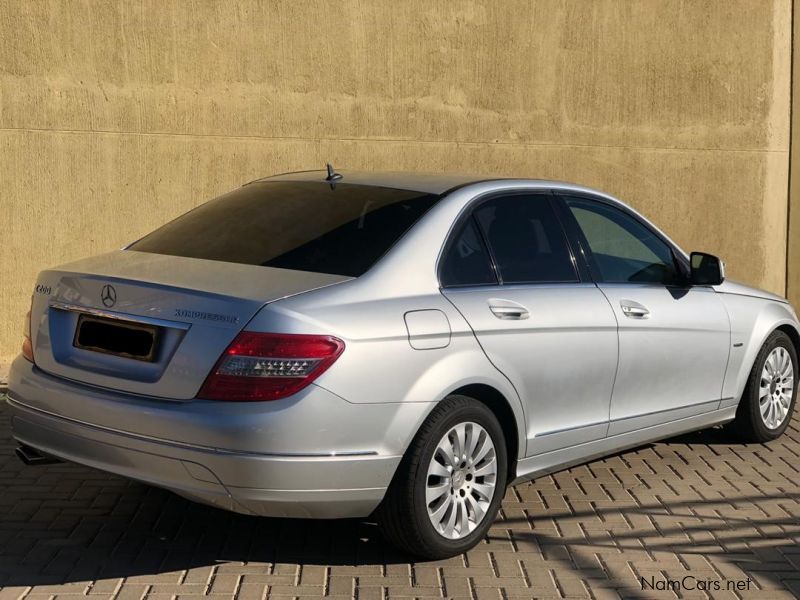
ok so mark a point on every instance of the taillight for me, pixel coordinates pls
(270, 366)
(27, 345)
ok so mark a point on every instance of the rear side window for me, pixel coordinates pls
(289, 225)
(526, 240)
(467, 262)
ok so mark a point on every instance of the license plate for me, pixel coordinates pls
(118, 337)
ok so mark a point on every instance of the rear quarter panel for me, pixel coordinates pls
(379, 364)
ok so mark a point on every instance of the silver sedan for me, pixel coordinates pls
(393, 346)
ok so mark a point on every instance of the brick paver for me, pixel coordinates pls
(701, 506)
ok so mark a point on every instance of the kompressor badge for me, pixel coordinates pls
(184, 313)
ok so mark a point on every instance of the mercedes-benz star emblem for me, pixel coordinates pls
(108, 295)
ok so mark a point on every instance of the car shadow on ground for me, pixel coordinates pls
(66, 523)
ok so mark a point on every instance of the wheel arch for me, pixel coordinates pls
(768, 320)
(751, 423)
(511, 421)
(495, 401)
(793, 334)
(499, 401)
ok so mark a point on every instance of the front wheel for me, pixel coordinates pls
(768, 401)
(449, 485)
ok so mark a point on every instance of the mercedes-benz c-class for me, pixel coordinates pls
(395, 346)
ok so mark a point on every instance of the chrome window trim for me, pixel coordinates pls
(517, 286)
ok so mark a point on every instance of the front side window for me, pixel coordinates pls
(624, 250)
(526, 239)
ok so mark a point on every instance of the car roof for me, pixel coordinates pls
(429, 183)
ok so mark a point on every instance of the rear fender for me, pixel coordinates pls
(379, 364)
(476, 370)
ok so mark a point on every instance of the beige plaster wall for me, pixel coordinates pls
(116, 116)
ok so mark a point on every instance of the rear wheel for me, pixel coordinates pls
(449, 485)
(768, 401)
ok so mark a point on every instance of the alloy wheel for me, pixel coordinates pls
(776, 387)
(462, 480)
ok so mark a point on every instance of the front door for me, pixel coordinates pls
(673, 338)
(551, 332)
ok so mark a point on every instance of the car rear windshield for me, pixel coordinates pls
(341, 230)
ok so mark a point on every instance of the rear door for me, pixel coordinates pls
(673, 338)
(509, 270)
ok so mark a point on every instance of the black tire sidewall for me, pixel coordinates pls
(761, 431)
(473, 412)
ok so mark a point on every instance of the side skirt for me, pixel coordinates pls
(549, 462)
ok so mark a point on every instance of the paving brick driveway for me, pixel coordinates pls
(701, 505)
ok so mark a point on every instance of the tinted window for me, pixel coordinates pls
(526, 240)
(301, 226)
(624, 250)
(467, 262)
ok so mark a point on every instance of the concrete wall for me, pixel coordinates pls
(793, 242)
(116, 116)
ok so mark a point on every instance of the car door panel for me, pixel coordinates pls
(671, 359)
(547, 329)
(561, 358)
(674, 338)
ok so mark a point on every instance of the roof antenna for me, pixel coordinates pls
(333, 176)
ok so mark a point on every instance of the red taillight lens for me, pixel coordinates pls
(270, 366)
(27, 345)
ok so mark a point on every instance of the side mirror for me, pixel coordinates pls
(707, 269)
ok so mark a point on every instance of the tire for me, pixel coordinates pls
(404, 518)
(750, 424)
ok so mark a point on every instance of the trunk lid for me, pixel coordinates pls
(192, 308)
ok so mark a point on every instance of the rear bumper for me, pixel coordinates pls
(323, 482)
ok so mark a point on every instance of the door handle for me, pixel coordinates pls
(508, 310)
(633, 310)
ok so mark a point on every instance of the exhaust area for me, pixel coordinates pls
(32, 457)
